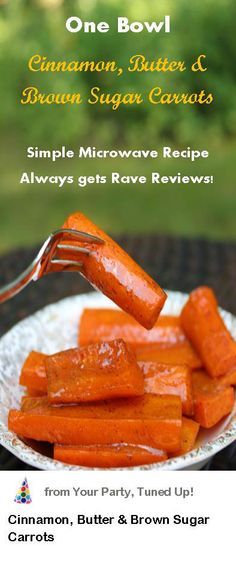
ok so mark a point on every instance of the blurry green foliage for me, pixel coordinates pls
(38, 26)
(29, 212)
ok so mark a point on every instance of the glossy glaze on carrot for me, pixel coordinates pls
(150, 420)
(212, 402)
(172, 354)
(206, 330)
(33, 372)
(101, 324)
(169, 379)
(117, 275)
(100, 371)
(189, 433)
(108, 456)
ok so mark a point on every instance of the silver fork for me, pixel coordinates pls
(48, 257)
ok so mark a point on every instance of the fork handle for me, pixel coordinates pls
(14, 287)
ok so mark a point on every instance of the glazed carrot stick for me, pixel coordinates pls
(100, 371)
(228, 379)
(190, 431)
(211, 401)
(150, 420)
(33, 373)
(146, 406)
(106, 324)
(205, 328)
(34, 393)
(175, 354)
(108, 456)
(168, 379)
(189, 434)
(111, 270)
(34, 376)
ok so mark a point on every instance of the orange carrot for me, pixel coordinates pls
(189, 434)
(107, 324)
(167, 379)
(111, 270)
(176, 354)
(108, 456)
(34, 393)
(151, 420)
(228, 379)
(206, 330)
(36, 380)
(100, 371)
(33, 373)
(211, 401)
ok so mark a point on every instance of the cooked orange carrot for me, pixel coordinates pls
(206, 330)
(211, 402)
(36, 380)
(151, 420)
(176, 354)
(106, 324)
(189, 434)
(108, 456)
(168, 379)
(100, 371)
(228, 379)
(113, 271)
(34, 393)
(33, 373)
(190, 431)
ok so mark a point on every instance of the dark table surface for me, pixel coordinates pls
(179, 264)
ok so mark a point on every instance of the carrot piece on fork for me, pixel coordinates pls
(117, 275)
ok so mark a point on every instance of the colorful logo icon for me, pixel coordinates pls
(23, 494)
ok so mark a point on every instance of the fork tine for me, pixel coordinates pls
(74, 235)
(78, 264)
(66, 265)
(78, 235)
(46, 256)
(73, 248)
(56, 242)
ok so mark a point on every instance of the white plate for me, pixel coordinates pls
(55, 328)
